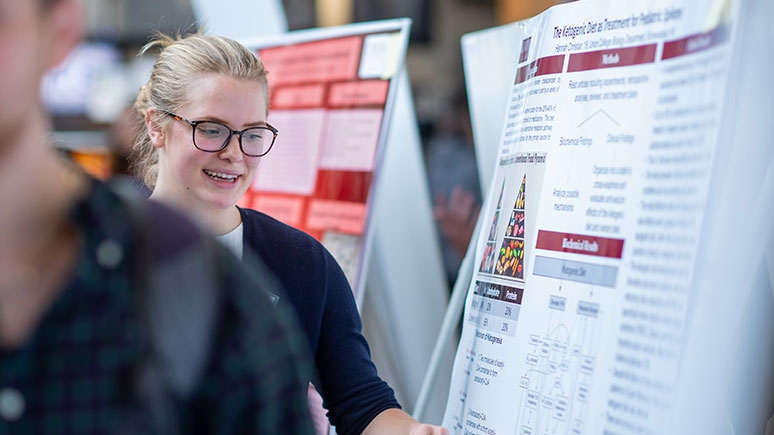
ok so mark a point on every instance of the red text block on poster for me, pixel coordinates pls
(539, 67)
(288, 209)
(320, 61)
(695, 43)
(344, 217)
(579, 244)
(298, 97)
(362, 93)
(614, 57)
(350, 139)
(291, 165)
(350, 186)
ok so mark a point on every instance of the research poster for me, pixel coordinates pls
(575, 314)
(331, 93)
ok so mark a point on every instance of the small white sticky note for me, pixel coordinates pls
(380, 57)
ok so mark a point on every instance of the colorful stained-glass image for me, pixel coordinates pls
(490, 250)
(520, 198)
(489, 258)
(510, 259)
(515, 224)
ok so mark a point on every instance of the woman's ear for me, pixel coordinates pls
(155, 132)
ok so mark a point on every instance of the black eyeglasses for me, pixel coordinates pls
(211, 136)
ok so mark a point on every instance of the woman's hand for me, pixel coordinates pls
(428, 429)
(397, 422)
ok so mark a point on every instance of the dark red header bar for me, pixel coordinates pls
(539, 67)
(612, 58)
(695, 43)
(579, 244)
(499, 292)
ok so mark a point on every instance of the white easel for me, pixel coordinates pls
(489, 61)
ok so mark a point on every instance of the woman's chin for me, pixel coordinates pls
(221, 202)
(221, 199)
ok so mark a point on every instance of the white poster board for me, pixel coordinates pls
(591, 274)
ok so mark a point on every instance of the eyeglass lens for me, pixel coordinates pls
(211, 136)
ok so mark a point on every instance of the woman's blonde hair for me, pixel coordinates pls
(181, 58)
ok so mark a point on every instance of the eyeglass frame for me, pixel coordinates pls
(231, 133)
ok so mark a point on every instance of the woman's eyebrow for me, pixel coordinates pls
(226, 123)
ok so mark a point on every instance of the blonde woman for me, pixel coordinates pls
(205, 110)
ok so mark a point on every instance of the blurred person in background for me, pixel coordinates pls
(123, 132)
(116, 315)
(450, 161)
(205, 108)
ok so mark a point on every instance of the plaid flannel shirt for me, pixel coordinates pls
(76, 374)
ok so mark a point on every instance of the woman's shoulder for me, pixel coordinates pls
(260, 228)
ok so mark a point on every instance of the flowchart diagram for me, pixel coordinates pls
(556, 386)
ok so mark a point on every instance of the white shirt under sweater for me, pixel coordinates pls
(233, 240)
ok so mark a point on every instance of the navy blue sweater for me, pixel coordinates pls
(319, 292)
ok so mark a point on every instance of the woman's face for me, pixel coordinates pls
(207, 180)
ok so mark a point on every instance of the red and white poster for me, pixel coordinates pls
(331, 92)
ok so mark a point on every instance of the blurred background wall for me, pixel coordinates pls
(89, 96)
(120, 27)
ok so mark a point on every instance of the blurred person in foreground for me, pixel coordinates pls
(205, 108)
(116, 315)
